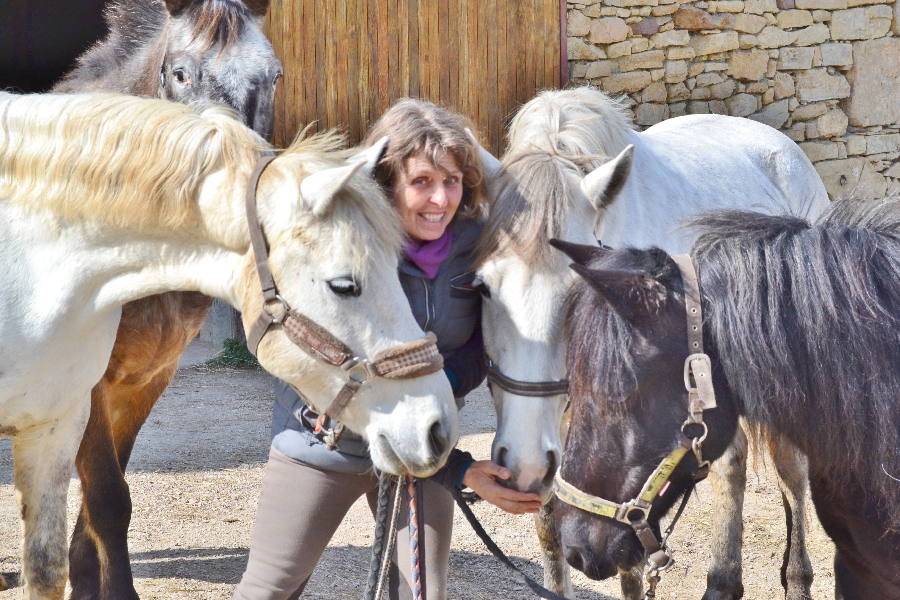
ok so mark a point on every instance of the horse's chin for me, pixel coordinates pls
(599, 549)
(387, 461)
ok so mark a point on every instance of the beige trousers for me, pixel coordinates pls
(300, 508)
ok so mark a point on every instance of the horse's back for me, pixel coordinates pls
(695, 164)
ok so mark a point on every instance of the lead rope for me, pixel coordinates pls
(383, 551)
(418, 589)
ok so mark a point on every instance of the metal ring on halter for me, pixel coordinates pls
(697, 440)
(687, 369)
(626, 507)
(358, 369)
(651, 560)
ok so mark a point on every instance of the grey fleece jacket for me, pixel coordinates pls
(446, 305)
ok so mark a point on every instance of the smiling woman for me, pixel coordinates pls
(433, 169)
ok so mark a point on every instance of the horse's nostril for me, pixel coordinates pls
(501, 456)
(437, 439)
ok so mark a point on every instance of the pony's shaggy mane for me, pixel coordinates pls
(554, 140)
(806, 321)
(600, 341)
(130, 162)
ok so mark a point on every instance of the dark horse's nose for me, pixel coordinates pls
(438, 440)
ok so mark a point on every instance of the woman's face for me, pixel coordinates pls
(427, 196)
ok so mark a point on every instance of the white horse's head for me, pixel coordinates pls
(543, 194)
(334, 246)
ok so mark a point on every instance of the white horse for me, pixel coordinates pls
(557, 185)
(106, 199)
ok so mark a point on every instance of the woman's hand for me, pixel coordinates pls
(480, 477)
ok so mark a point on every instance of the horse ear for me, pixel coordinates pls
(258, 7)
(603, 184)
(371, 155)
(492, 166)
(581, 254)
(175, 7)
(319, 189)
(636, 296)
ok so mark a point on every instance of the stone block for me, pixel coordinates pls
(856, 144)
(662, 11)
(851, 176)
(879, 21)
(577, 70)
(817, 84)
(700, 93)
(751, 24)
(742, 105)
(784, 86)
(717, 107)
(893, 171)
(646, 26)
(619, 49)
(758, 7)
(882, 144)
(819, 151)
(730, 6)
(698, 107)
(578, 50)
(608, 30)
(851, 24)
(814, 34)
(678, 92)
(680, 53)
(895, 24)
(694, 19)
(657, 74)
(676, 71)
(677, 109)
(832, 124)
(837, 55)
(875, 77)
(769, 96)
(639, 45)
(600, 68)
(723, 90)
(774, 115)
(791, 59)
(650, 114)
(757, 87)
(747, 41)
(810, 111)
(655, 92)
(630, 3)
(790, 19)
(853, 3)
(821, 4)
(772, 68)
(577, 24)
(821, 16)
(705, 79)
(785, 4)
(715, 43)
(793, 104)
(775, 37)
(626, 82)
(652, 59)
(796, 134)
(748, 66)
(674, 37)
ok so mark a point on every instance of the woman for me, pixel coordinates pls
(433, 170)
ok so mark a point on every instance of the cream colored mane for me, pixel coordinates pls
(130, 162)
(554, 140)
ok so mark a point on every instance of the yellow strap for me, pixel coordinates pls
(662, 473)
(592, 504)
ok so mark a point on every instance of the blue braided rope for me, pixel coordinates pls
(418, 592)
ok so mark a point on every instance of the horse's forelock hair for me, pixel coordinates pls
(530, 208)
(806, 321)
(106, 158)
(219, 22)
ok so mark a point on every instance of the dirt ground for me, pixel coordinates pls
(195, 476)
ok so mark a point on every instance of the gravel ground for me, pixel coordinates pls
(195, 476)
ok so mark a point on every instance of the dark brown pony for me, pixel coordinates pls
(198, 52)
(802, 325)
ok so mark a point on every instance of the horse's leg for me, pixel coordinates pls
(728, 476)
(791, 466)
(556, 571)
(632, 582)
(42, 459)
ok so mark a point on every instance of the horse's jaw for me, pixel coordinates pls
(597, 547)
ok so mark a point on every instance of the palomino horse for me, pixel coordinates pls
(198, 52)
(105, 199)
(800, 330)
(556, 185)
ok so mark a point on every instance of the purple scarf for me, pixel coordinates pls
(428, 256)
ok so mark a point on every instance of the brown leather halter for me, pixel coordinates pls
(533, 389)
(701, 396)
(402, 361)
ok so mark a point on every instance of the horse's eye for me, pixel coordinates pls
(278, 78)
(181, 77)
(345, 286)
(479, 284)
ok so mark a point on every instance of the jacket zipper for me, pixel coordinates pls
(429, 309)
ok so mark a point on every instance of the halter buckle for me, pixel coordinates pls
(687, 370)
(635, 504)
(654, 560)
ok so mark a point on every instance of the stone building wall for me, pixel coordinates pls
(825, 72)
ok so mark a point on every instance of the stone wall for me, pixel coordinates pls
(825, 72)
